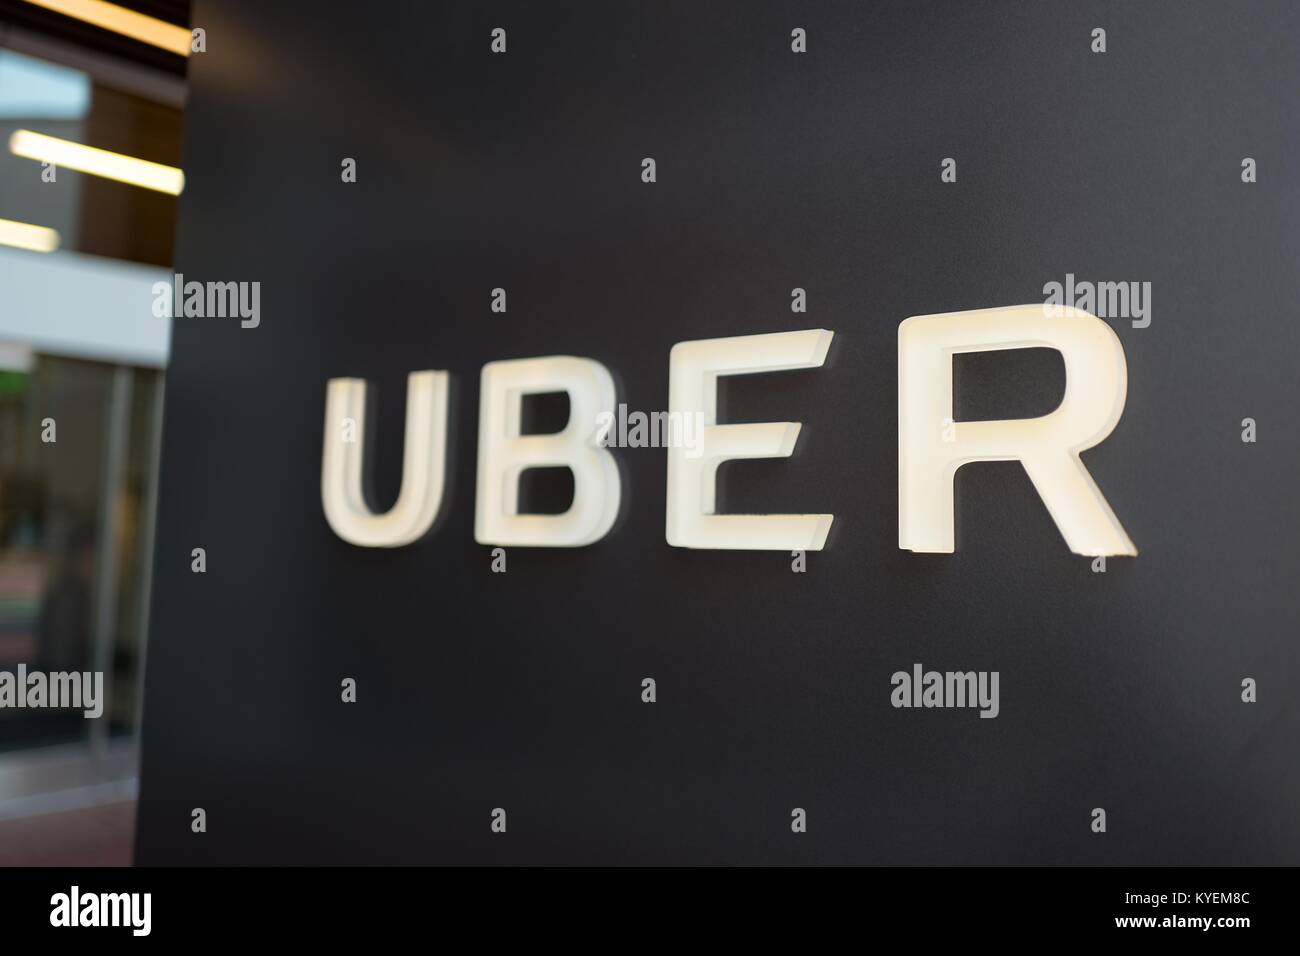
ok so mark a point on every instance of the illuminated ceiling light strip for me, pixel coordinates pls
(97, 162)
(137, 26)
(23, 235)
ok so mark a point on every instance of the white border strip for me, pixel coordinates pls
(83, 307)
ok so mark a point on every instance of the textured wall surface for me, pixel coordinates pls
(775, 170)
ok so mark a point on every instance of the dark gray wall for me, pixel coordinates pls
(1118, 690)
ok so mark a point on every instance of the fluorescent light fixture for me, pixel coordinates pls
(97, 162)
(137, 26)
(33, 89)
(23, 235)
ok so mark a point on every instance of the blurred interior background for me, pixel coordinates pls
(82, 359)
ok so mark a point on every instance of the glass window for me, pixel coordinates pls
(77, 465)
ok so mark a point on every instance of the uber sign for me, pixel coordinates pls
(931, 446)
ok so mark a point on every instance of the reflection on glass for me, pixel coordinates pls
(63, 486)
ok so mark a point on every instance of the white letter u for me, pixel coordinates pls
(342, 476)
